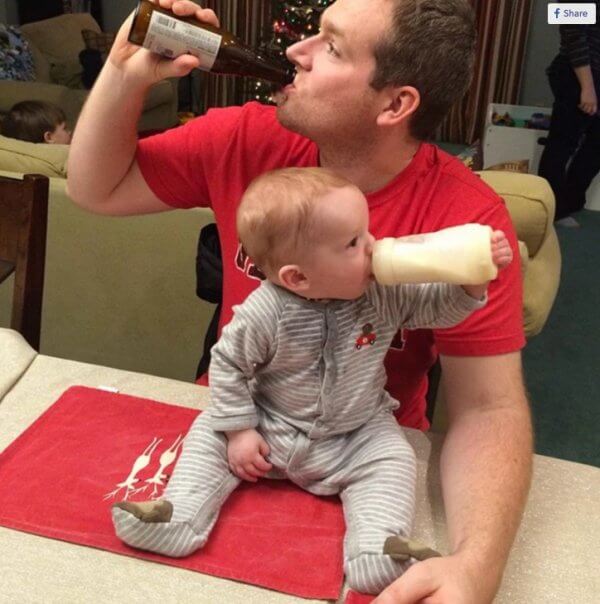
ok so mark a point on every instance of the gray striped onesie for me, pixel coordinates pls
(310, 377)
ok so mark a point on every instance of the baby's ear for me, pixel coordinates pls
(48, 137)
(292, 278)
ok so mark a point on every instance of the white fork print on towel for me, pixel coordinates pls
(138, 465)
(167, 457)
(141, 462)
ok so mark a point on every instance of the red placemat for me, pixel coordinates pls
(91, 448)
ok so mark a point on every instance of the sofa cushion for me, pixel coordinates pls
(40, 63)
(159, 94)
(67, 73)
(100, 41)
(59, 38)
(530, 202)
(33, 158)
(16, 61)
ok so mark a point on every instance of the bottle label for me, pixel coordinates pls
(170, 37)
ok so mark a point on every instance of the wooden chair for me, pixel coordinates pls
(23, 223)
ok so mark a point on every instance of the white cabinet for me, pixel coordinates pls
(513, 143)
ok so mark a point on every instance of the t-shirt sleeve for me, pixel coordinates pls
(177, 163)
(497, 328)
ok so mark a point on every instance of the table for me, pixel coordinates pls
(556, 556)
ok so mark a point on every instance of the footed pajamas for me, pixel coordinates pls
(309, 376)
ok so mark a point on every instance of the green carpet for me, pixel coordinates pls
(562, 364)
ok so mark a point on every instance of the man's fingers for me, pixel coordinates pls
(411, 588)
(177, 68)
(185, 8)
(588, 108)
(208, 16)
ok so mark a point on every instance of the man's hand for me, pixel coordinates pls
(246, 452)
(446, 580)
(146, 67)
(588, 102)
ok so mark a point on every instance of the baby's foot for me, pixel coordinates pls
(501, 251)
(148, 511)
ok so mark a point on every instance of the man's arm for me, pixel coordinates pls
(486, 471)
(103, 176)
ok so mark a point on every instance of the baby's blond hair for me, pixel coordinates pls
(276, 219)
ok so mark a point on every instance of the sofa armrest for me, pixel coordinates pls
(160, 107)
(530, 203)
(540, 285)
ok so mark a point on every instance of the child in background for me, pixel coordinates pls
(297, 388)
(36, 122)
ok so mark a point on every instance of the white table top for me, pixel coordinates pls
(556, 556)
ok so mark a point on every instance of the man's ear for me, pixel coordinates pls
(48, 137)
(292, 278)
(400, 103)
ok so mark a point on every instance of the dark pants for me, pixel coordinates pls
(571, 158)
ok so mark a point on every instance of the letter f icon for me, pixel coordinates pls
(556, 12)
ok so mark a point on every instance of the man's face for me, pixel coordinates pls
(338, 266)
(331, 98)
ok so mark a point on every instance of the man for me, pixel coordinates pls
(375, 82)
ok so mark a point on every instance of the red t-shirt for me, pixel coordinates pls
(210, 161)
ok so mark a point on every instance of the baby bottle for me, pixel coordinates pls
(460, 254)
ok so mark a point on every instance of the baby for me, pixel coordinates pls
(36, 122)
(297, 378)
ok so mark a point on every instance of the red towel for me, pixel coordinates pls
(354, 597)
(59, 478)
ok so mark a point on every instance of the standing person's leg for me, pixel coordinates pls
(182, 520)
(566, 128)
(374, 471)
(584, 166)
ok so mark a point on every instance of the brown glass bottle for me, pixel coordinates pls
(219, 51)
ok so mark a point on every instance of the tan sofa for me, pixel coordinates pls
(530, 202)
(55, 44)
(121, 291)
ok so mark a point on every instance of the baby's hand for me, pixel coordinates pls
(246, 452)
(502, 253)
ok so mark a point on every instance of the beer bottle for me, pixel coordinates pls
(161, 31)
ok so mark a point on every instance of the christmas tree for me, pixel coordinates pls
(292, 21)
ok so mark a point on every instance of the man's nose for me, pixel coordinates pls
(299, 53)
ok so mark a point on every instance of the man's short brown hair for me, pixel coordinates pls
(276, 220)
(30, 120)
(431, 47)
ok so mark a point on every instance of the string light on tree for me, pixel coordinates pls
(293, 20)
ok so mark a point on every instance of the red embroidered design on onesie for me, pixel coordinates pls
(367, 337)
